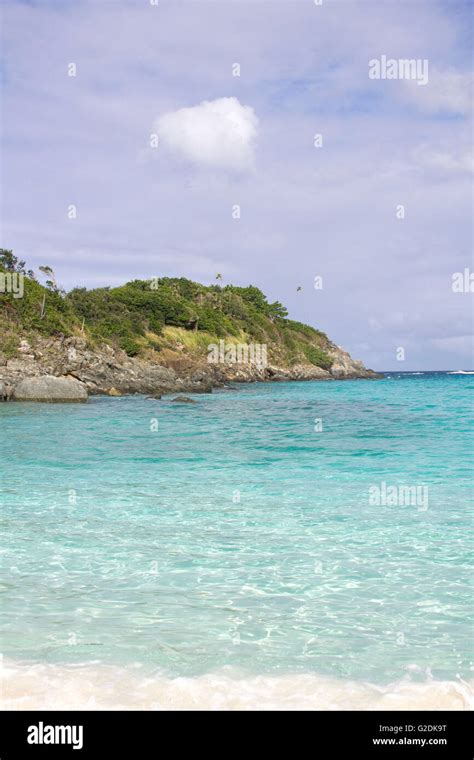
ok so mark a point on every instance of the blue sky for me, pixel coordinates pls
(304, 211)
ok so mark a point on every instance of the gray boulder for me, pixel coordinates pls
(49, 389)
(4, 391)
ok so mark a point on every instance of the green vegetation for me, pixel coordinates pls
(152, 315)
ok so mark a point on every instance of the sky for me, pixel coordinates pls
(148, 138)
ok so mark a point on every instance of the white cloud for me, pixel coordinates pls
(446, 92)
(460, 161)
(459, 344)
(215, 133)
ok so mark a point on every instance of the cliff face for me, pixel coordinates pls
(108, 370)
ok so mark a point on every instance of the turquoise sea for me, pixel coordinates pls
(150, 547)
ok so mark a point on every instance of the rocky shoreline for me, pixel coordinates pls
(66, 369)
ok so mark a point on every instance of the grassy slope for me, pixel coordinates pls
(157, 315)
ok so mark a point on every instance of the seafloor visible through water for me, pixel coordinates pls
(281, 544)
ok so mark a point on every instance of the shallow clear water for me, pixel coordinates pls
(238, 535)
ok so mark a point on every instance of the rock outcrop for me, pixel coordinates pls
(345, 367)
(5, 391)
(110, 371)
(49, 389)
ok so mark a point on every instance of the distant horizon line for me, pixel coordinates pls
(410, 371)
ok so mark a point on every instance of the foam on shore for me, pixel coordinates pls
(28, 686)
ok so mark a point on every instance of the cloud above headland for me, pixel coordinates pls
(217, 133)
